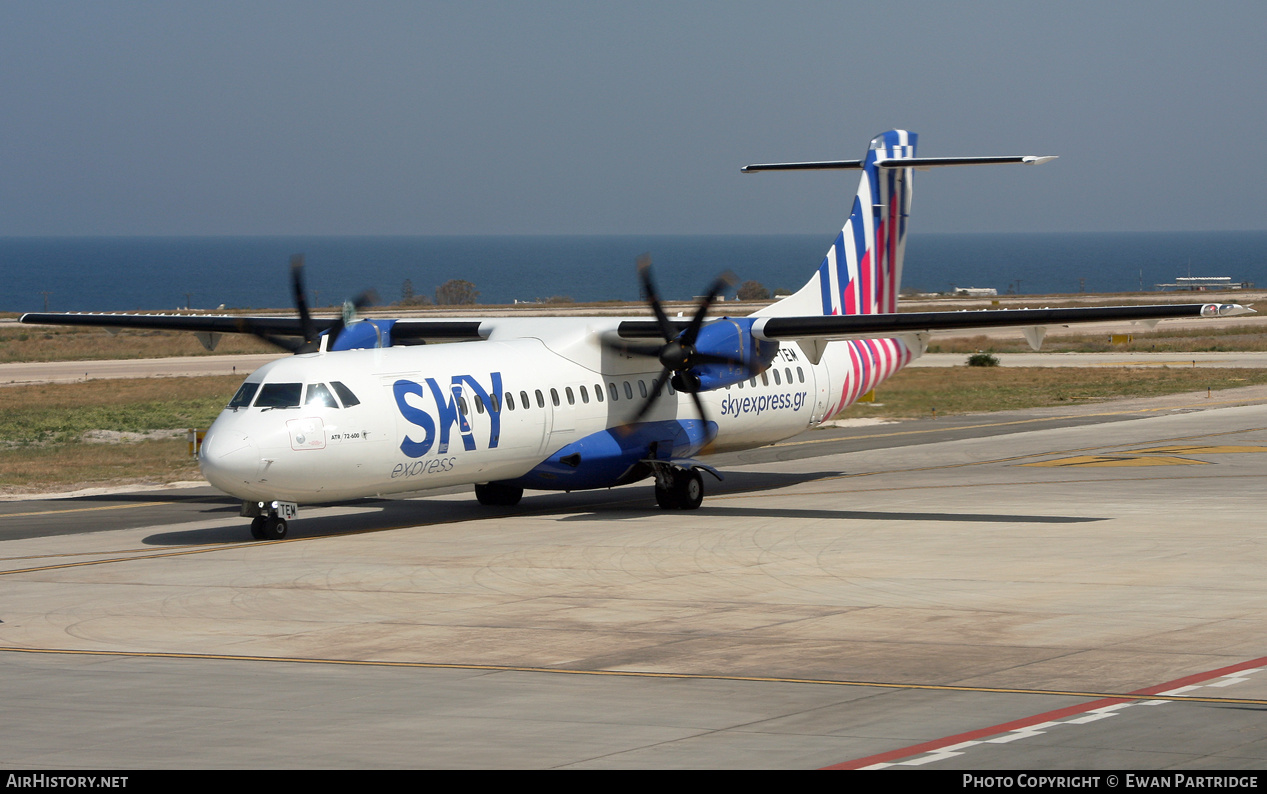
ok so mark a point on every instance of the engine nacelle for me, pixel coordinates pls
(732, 338)
(364, 335)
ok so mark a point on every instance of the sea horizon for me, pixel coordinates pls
(164, 272)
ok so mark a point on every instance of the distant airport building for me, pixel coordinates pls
(976, 292)
(1205, 284)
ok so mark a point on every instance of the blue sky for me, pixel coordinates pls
(175, 118)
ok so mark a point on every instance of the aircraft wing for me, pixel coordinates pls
(407, 329)
(814, 331)
(864, 326)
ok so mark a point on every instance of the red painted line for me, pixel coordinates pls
(1047, 716)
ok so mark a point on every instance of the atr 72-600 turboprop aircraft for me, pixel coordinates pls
(369, 407)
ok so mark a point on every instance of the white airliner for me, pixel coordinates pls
(369, 406)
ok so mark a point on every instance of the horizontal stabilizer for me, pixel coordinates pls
(938, 162)
(898, 162)
(822, 165)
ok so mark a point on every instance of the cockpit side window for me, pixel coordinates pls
(319, 394)
(245, 392)
(279, 395)
(345, 394)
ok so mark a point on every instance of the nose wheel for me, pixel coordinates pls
(268, 528)
(268, 519)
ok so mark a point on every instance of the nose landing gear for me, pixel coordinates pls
(268, 519)
(268, 528)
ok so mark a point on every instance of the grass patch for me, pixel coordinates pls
(59, 413)
(1218, 338)
(916, 391)
(25, 343)
(64, 467)
(41, 427)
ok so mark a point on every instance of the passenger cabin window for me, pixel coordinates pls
(642, 387)
(319, 394)
(245, 392)
(571, 395)
(628, 391)
(479, 404)
(611, 389)
(493, 404)
(279, 395)
(462, 406)
(523, 400)
(541, 401)
(554, 397)
(800, 374)
(585, 395)
(598, 392)
(345, 394)
(510, 401)
(777, 382)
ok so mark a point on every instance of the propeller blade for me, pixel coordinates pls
(301, 298)
(724, 281)
(350, 309)
(657, 386)
(703, 416)
(287, 343)
(653, 297)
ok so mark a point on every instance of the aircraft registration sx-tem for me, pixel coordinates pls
(370, 406)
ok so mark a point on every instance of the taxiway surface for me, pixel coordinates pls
(1048, 589)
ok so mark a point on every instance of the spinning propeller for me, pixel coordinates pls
(678, 354)
(311, 341)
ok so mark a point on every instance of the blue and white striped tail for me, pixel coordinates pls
(862, 271)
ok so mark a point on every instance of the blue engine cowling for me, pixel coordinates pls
(364, 335)
(731, 337)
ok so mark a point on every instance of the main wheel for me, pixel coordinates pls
(492, 493)
(257, 527)
(666, 498)
(688, 487)
(274, 528)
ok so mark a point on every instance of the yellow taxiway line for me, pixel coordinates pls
(510, 668)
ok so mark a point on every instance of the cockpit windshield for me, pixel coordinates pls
(292, 395)
(345, 394)
(245, 392)
(319, 394)
(279, 395)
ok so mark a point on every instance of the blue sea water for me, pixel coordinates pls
(162, 273)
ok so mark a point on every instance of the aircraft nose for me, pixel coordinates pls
(228, 459)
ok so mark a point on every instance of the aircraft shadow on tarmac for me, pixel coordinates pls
(387, 514)
(848, 515)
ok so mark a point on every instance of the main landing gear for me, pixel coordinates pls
(683, 491)
(679, 486)
(495, 494)
(268, 519)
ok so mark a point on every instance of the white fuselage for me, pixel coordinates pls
(471, 412)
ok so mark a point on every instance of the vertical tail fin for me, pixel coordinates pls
(862, 271)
